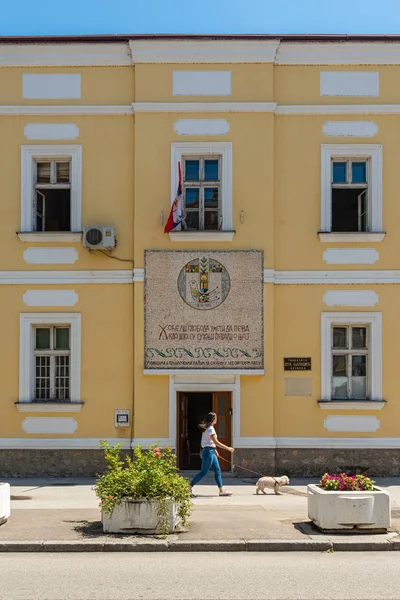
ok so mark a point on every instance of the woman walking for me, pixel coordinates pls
(209, 454)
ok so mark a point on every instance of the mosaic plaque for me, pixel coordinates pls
(204, 310)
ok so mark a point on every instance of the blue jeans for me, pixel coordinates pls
(209, 461)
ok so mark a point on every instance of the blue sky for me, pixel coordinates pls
(42, 17)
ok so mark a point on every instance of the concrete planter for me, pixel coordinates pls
(5, 497)
(349, 510)
(138, 516)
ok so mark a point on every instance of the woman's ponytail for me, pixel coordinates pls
(209, 420)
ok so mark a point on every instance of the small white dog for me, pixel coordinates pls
(271, 482)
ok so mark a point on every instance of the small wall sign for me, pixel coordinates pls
(297, 364)
(122, 418)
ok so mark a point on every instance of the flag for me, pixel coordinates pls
(176, 218)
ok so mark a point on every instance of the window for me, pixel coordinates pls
(52, 196)
(349, 362)
(207, 190)
(351, 356)
(201, 192)
(351, 194)
(50, 357)
(52, 363)
(51, 182)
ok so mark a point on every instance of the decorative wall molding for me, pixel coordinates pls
(49, 407)
(59, 425)
(339, 442)
(51, 86)
(51, 256)
(147, 442)
(338, 109)
(138, 275)
(50, 298)
(350, 298)
(26, 443)
(352, 423)
(51, 131)
(65, 277)
(201, 236)
(61, 277)
(338, 53)
(203, 107)
(333, 237)
(201, 83)
(64, 55)
(46, 236)
(203, 51)
(351, 405)
(49, 110)
(350, 129)
(344, 443)
(350, 256)
(254, 442)
(201, 127)
(349, 83)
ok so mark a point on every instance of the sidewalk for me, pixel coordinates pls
(63, 515)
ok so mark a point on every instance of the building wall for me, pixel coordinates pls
(276, 120)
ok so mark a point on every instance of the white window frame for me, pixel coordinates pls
(29, 156)
(373, 154)
(28, 323)
(204, 149)
(373, 320)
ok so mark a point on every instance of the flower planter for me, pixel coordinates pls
(5, 497)
(138, 516)
(337, 510)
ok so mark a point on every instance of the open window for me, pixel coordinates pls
(52, 196)
(351, 193)
(51, 193)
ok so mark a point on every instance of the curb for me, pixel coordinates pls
(202, 546)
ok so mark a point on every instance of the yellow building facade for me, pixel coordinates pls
(275, 306)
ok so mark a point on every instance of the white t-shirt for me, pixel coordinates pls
(206, 440)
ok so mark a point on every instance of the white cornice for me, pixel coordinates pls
(338, 109)
(352, 405)
(204, 107)
(334, 237)
(338, 53)
(201, 236)
(73, 109)
(64, 55)
(340, 442)
(64, 277)
(49, 407)
(203, 51)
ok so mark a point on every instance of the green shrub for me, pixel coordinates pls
(152, 475)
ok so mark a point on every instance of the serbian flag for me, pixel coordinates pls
(176, 218)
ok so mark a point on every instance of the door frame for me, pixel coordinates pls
(197, 383)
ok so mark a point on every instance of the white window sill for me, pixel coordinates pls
(201, 236)
(46, 407)
(351, 404)
(367, 236)
(49, 236)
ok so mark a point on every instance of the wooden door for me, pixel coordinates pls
(183, 438)
(222, 406)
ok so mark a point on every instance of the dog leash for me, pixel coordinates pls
(244, 469)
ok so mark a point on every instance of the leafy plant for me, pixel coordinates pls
(346, 483)
(151, 475)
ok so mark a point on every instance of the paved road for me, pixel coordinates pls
(205, 576)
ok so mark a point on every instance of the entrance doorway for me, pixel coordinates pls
(192, 410)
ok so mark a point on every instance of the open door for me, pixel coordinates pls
(183, 438)
(222, 406)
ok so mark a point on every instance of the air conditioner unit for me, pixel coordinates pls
(99, 237)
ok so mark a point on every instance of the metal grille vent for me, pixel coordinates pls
(94, 236)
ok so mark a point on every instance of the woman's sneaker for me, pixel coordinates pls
(225, 493)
